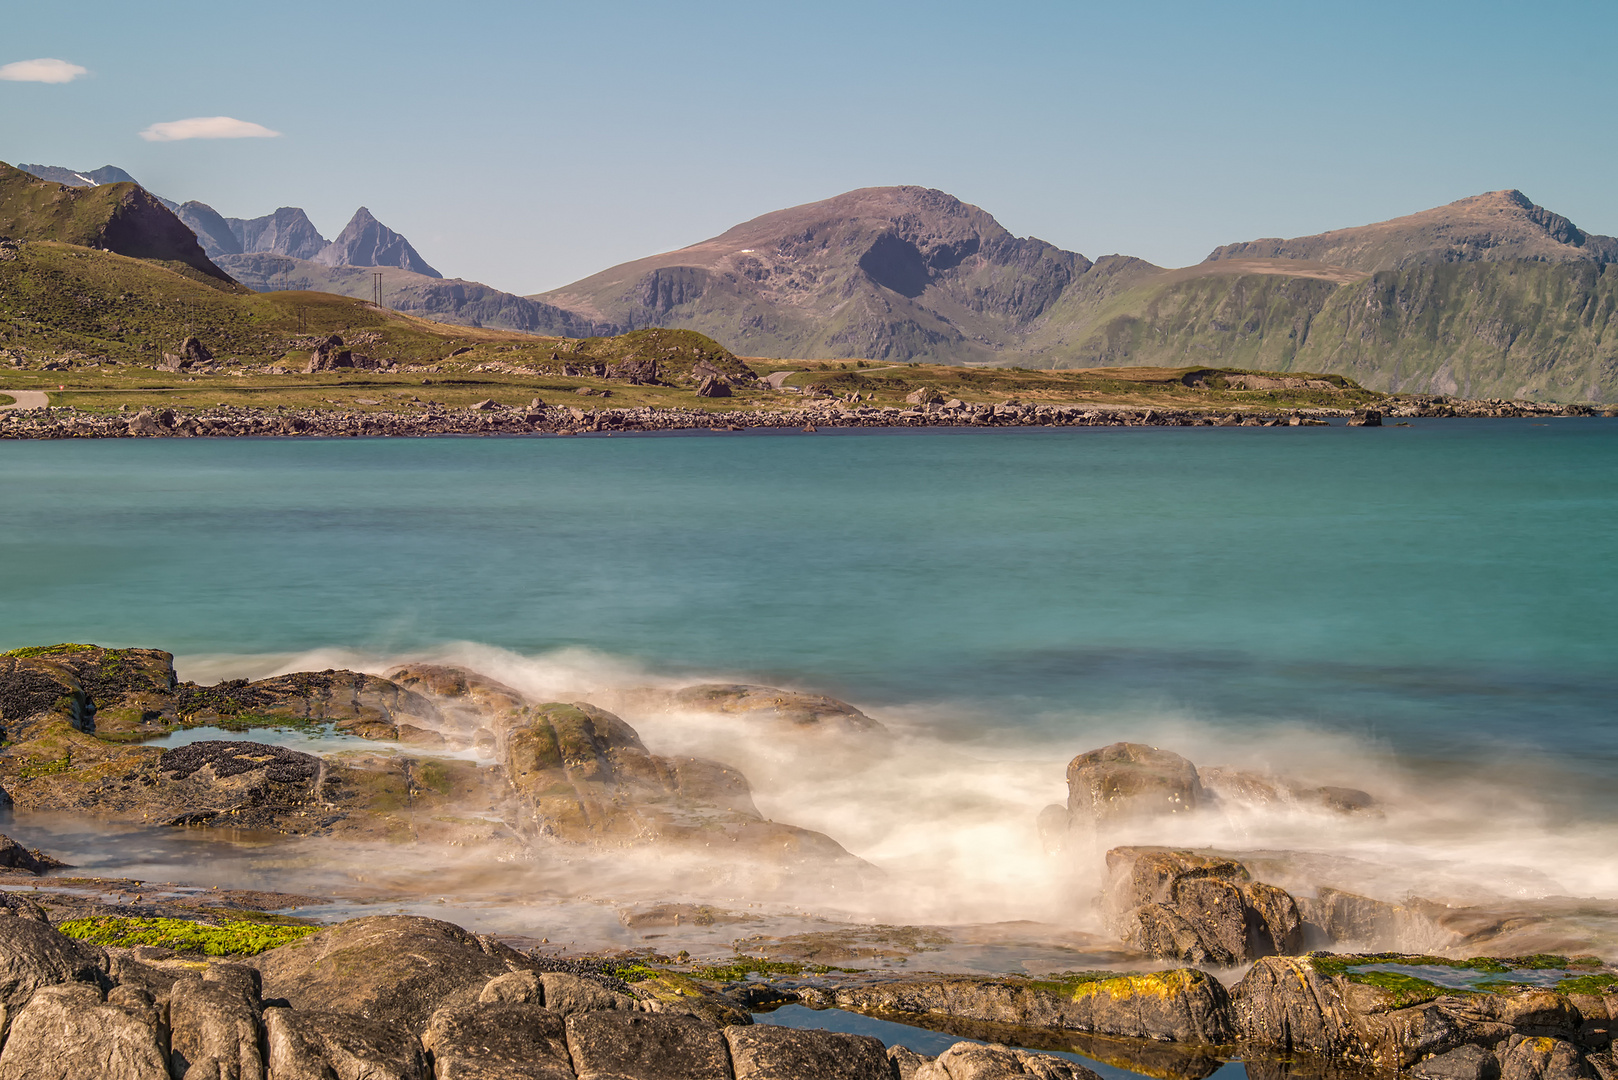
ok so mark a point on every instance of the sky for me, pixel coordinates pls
(528, 144)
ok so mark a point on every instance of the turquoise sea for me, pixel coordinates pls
(1448, 590)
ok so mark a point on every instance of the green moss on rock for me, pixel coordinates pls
(239, 937)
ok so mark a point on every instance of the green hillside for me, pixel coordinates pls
(122, 217)
(1528, 329)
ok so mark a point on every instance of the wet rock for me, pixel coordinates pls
(972, 1061)
(770, 703)
(397, 969)
(498, 1041)
(643, 1046)
(1202, 908)
(1541, 1058)
(764, 1052)
(15, 905)
(32, 956)
(1240, 787)
(1182, 1006)
(1286, 1003)
(1468, 1062)
(68, 1033)
(1130, 780)
(13, 856)
(1341, 918)
(336, 1046)
(1367, 418)
(581, 774)
(214, 1027)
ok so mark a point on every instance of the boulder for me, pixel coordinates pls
(33, 956)
(13, 856)
(905, 1062)
(1290, 1005)
(646, 1046)
(214, 1026)
(766, 1052)
(499, 1041)
(1541, 1058)
(581, 774)
(192, 353)
(1183, 1006)
(975, 1061)
(712, 387)
(486, 405)
(1180, 905)
(1130, 780)
(335, 1046)
(1469, 1062)
(925, 395)
(638, 372)
(330, 355)
(1367, 418)
(397, 969)
(68, 1033)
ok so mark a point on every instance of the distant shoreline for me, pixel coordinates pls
(68, 423)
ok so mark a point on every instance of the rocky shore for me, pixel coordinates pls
(409, 998)
(490, 418)
(1268, 957)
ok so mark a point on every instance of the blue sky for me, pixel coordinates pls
(529, 144)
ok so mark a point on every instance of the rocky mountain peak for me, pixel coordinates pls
(365, 241)
(1492, 227)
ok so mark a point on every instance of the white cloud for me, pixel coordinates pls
(42, 70)
(207, 127)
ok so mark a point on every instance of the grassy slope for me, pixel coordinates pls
(119, 217)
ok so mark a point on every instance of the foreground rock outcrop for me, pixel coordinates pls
(563, 771)
(402, 998)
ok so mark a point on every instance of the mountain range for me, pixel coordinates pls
(1491, 295)
(1488, 296)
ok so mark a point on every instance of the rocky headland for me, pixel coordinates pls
(1265, 957)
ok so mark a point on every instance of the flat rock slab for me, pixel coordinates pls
(395, 968)
(498, 1041)
(646, 1046)
(326, 1045)
(67, 1033)
(763, 1052)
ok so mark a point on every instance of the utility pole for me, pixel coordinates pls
(376, 286)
